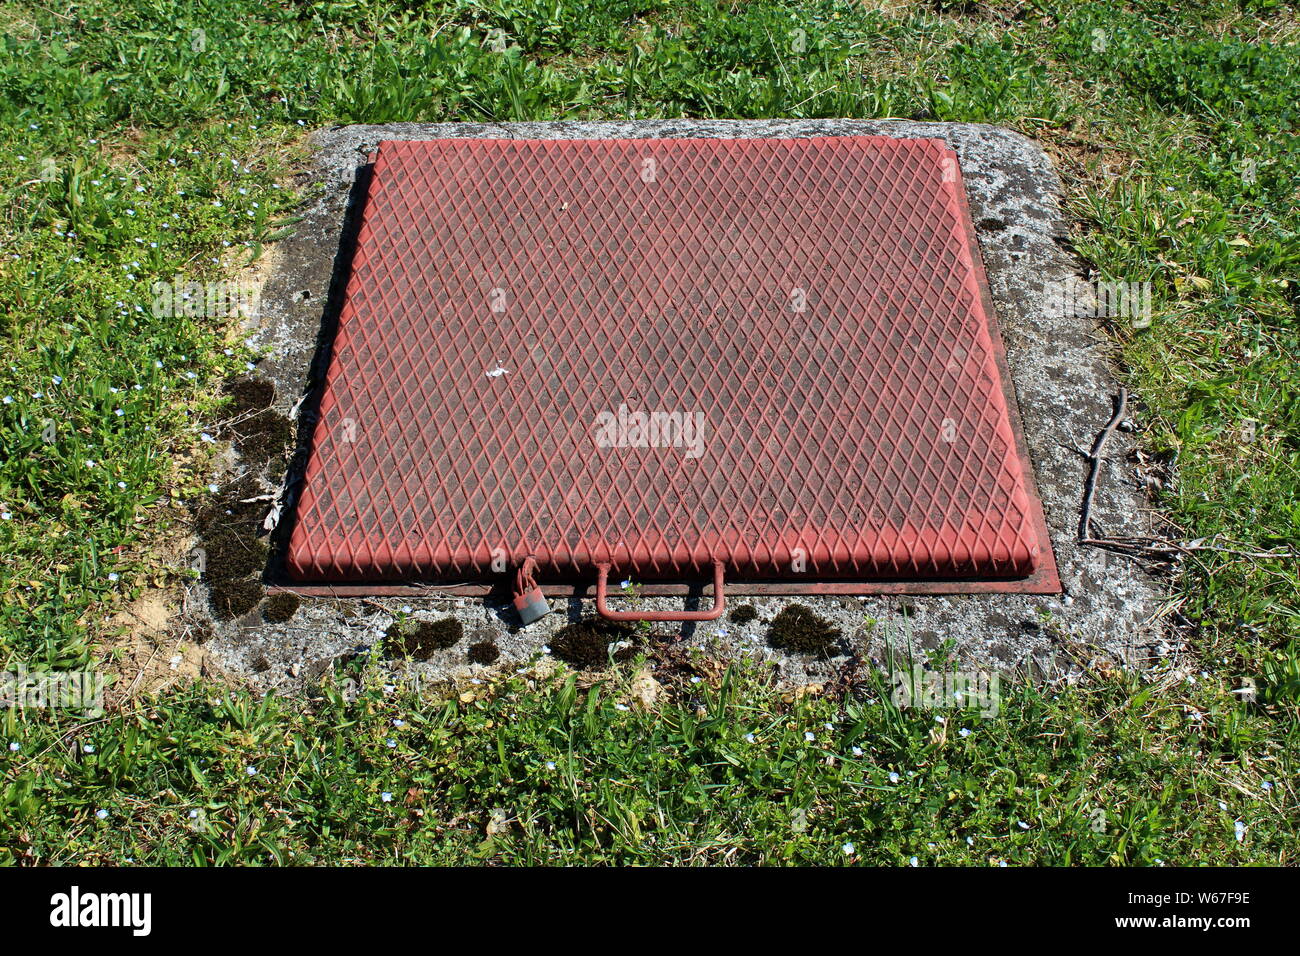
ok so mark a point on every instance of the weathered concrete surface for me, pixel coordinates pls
(1059, 369)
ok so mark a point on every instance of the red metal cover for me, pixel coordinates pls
(774, 353)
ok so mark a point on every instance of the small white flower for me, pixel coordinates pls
(965, 731)
(848, 849)
(112, 575)
(15, 746)
(620, 707)
(695, 680)
(386, 797)
(1239, 829)
(194, 814)
(749, 738)
(970, 841)
(212, 488)
(1266, 785)
(5, 516)
(809, 735)
(857, 751)
(893, 777)
(398, 722)
(251, 770)
(913, 862)
(102, 814)
(390, 743)
(550, 765)
(88, 748)
(1022, 824)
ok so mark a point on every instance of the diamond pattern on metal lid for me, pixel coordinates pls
(805, 316)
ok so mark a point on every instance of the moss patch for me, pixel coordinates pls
(249, 395)
(484, 652)
(280, 607)
(419, 639)
(744, 614)
(232, 555)
(800, 631)
(234, 598)
(234, 547)
(260, 434)
(263, 438)
(585, 643)
(232, 508)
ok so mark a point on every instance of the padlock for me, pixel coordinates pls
(532, 605)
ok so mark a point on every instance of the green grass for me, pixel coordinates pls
(729, 772)
(151, 138)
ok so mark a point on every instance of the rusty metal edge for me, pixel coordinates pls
(1036, 583)
(1046, 569)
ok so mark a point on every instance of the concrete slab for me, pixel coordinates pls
(1110, 608)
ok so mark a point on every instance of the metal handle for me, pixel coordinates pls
(719, 602)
